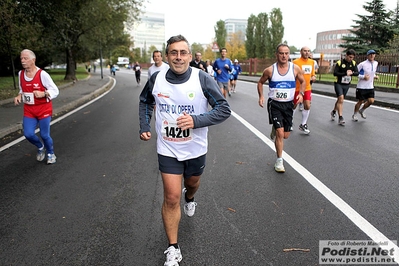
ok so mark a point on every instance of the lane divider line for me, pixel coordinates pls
(345, 208)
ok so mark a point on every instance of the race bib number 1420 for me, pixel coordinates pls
(171, 132)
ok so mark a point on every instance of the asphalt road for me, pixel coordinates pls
(100, 203)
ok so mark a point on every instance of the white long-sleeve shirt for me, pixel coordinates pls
(367, 67)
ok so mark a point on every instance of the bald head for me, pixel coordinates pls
(305, 52)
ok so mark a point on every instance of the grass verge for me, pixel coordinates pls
(7, 89)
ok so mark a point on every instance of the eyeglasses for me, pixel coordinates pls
(182, 53)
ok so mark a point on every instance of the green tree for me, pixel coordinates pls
(197, 47)
(293, 49)
(67, 21)
(275, 32)
(393, 44)
(372, 31)
(17, 31)
(236, 47)
(120, 51)
(136, 55)
(394, 19)
(220, 33)
(250, 45)
(261, 35)
(151, 49)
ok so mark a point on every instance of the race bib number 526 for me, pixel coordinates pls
(282, 95)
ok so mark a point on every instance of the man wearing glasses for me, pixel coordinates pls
(182, 95)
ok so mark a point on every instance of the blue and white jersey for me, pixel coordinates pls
(366, 68)
(282, 86)
(173, 141)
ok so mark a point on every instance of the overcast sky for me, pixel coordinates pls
(302, 20)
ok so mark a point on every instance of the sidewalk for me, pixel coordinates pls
(71, 96)
(382, 98)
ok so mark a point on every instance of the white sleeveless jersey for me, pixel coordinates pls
(282, 87)
(171, 101)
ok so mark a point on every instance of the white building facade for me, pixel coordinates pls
(235, 26)
(149, 30)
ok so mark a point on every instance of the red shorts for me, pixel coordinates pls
(307, 96)
(38, 111)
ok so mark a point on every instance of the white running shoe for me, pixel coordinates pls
(362, 114)
(304, 128)
(51, 158)
(354, 117)
(41, 154)
(279, 166)
(189, 207)
(341, 121)
(173, 256)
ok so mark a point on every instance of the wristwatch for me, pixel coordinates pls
(302, 93)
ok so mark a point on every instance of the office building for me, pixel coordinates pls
(327, 43)
(149, 30)
(235, 26)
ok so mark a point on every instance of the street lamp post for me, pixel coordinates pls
(101, 61)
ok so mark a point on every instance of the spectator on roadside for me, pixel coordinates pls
(36, 91)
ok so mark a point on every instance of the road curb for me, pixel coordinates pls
(72, 105)
(63, 109)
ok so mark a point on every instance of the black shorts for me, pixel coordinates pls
(364, 94)
(280, 114)
(341, 89)
(191, 167)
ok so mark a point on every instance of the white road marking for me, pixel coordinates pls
(345, 208)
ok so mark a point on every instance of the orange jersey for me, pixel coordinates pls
(307, 66)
